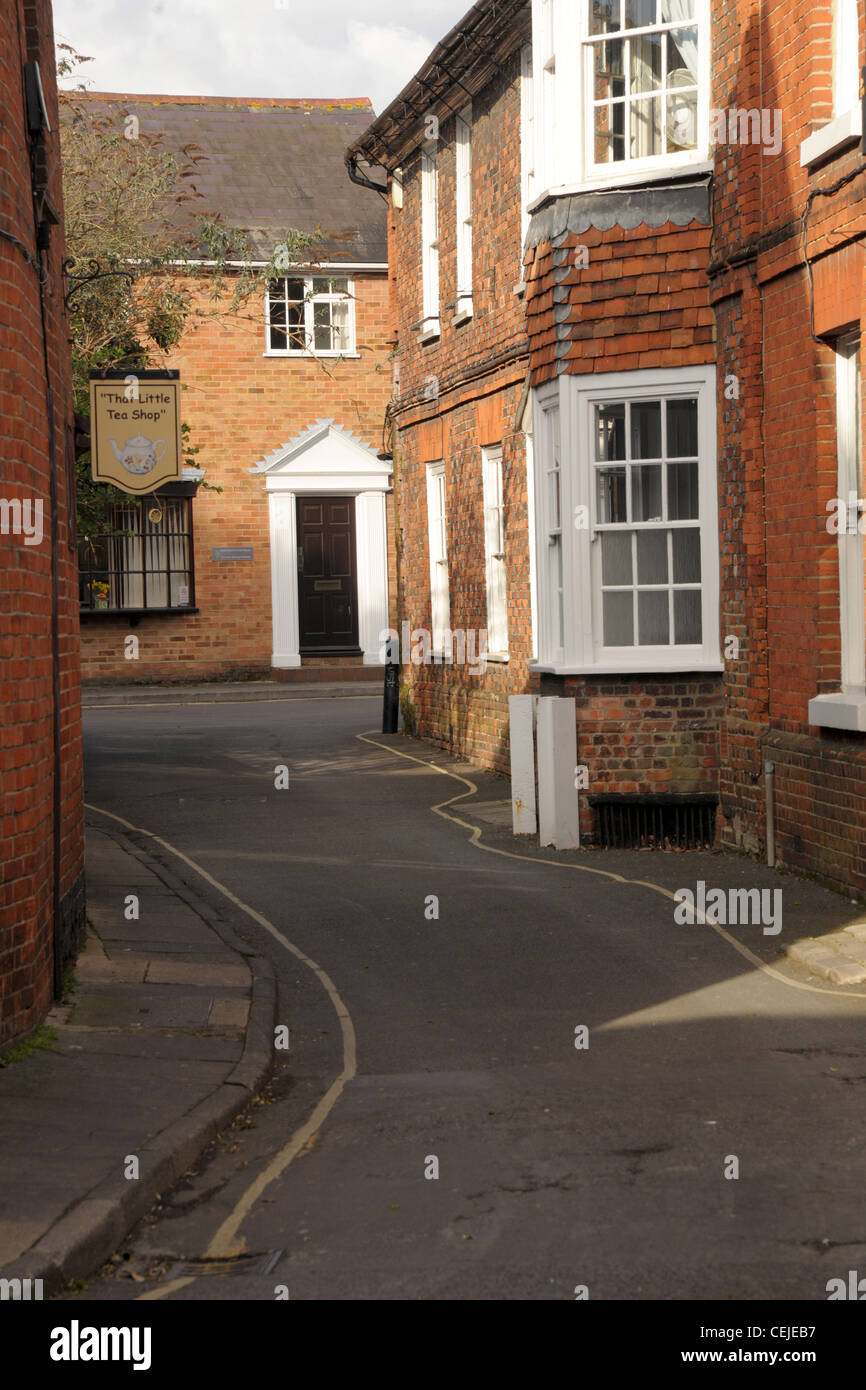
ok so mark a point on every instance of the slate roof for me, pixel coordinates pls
(270, 165)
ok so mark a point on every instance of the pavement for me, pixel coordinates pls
(226, 692)
(445, 1033)
(163, 1037)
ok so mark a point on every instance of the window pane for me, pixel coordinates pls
(653, 619)
(646, 430)
(639, 12)
(618, 620)
(672, 10)
(687, 616)
(554, 499)
(609, 133)
(278, 340)
(604, 16)
(682, 429)
(681, 129)
(340, 316)
(616, 557)
(296, 325)
(609, 70)
(683, 56)
(295, 289)
(646, 492)
(687, 556)
(652, 557)
(682, 491)
(610, 432)
(646, 63)
(645, 128)
(611, 495)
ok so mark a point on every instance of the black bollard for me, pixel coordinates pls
(391, 706)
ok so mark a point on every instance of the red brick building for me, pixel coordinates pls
(42, 908)
(786, 282)
(286, 569)
(581, 484)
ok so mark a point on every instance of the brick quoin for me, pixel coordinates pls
(30, 916)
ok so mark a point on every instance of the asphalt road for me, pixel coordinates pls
(601, 1167)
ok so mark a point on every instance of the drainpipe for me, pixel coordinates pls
(769, 795)
(361, 179)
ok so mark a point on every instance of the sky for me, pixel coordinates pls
(255, 48)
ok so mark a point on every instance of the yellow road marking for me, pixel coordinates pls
(476, 840)
(224, 1243)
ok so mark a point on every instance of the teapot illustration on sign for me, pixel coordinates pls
(140, 455)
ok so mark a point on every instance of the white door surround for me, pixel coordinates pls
(327, 459)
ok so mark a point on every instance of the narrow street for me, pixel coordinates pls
(558, 1167)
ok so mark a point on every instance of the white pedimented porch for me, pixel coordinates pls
(327, 459)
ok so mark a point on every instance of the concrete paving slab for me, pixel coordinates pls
(199, 974)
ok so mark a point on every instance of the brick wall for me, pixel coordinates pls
(641, 300)
(777, 442)
(241, 406)
(479, 370)
(29, 914)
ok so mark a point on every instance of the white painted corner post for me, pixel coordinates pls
(521, 739)
(558, 816)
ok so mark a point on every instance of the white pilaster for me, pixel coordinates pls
(372, 556)
(284, 580)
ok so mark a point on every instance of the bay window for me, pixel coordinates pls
(622, 88)
(630, 530)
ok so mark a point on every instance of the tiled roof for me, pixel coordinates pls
(270, 166)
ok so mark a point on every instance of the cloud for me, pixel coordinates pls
(266, 48)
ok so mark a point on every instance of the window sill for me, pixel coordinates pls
(846, 710)
(832, 138)
(634, 668)
(520, 290)
(499, 658)
(430, 335)
(273, 352)
(670, 174)
(462, 316)
(101, 613)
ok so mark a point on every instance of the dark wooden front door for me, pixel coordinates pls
(327, 589)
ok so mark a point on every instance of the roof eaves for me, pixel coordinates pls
(469, 55)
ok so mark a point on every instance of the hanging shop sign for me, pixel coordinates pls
(135, 440)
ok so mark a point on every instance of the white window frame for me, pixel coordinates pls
(847, 709)
(430, 327)
(528, 182)
(547, 447)
(463, 212)
(582, 651)
(312, 297)
(847, 123)
(562, 61)
(846, 56)
(437, 539)
(495, 570)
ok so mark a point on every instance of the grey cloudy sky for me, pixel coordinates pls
(265, 48)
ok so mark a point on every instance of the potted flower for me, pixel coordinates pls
(99, 592)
